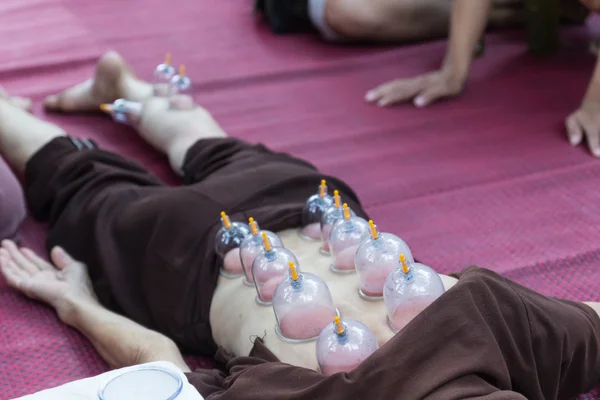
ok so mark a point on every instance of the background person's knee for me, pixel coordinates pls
(356, 19)
(12, 203)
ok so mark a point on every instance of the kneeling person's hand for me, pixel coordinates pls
(585, 122)
(423, 90)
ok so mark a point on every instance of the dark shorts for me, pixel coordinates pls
(150, 247)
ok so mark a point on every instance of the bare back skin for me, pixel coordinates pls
(236, 319)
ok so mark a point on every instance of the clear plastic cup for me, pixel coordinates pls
(334, 214)
(162, 77)
(344, 239)
(409, 290)
(269, 269)
(303, 306)
(252, 247)
(344, 345)
(314, 208)
(376, 258)
(227, 246)
(143, 383)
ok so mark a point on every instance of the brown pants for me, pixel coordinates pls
(150, 247)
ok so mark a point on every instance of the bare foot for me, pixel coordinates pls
(113, 80)
(37, 279)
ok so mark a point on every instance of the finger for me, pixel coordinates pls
(394, 92)
(15, 277)
(4, 259)
(375, 93)
(12, 279)
(4, 254)
(21, 278)
(61, 258)
(18, 258)
(593, 140)
(430, 95)
(592, 134)
(39, 262)
(574, 131)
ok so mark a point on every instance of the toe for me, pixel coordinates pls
(51, 102)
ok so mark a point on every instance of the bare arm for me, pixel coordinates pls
(467, 24)
(66, 286)
(120, 341)
(468, 21)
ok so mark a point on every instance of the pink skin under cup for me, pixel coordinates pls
(269, 269)
(409, 290)
(303, 306)
(227, 243)
(376, 258)
(251, 247)
(343, 346)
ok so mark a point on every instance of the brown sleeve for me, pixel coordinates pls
(565, 338)
(472, 387)
(276, 381)
(206, 381)
(486, 338)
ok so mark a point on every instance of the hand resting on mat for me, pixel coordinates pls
(424, 89)
(585, 124)
(66, 286)
(467, 25)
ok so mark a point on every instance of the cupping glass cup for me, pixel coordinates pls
(315, 207)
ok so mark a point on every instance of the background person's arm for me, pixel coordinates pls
(469, 18)
(585, 121)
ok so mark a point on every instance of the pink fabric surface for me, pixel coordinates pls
(489, 179)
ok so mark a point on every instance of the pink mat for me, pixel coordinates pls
(487, 180)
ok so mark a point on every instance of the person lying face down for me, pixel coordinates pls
(134, 269)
